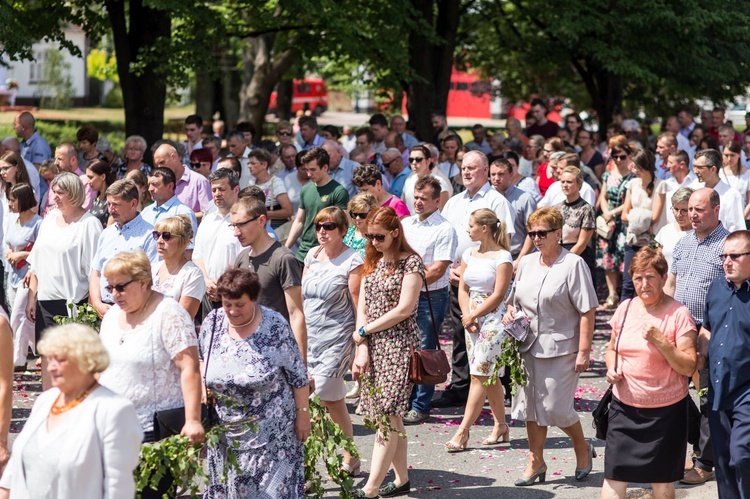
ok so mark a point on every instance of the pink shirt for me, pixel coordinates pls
(398, 205)
(648, 380)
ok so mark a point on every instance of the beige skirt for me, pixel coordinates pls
(548, 398)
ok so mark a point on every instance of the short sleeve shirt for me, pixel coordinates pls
(312, 199)
(434, 239)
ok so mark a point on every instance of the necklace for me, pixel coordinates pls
(56, 410)
(252, 318)
(140, 313)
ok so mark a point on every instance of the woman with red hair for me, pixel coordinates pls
(386, 332)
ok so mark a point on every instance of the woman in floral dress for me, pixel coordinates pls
(486, 271)
(610, 253)
(256, 370)
(386, 332)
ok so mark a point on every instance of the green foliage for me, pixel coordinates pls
(83, 314)
(102, 66)
(113, 99)
(325, 439)
(380, 423)
(510, 357)
(56, 87)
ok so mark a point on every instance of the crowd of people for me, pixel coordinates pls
(259, 274)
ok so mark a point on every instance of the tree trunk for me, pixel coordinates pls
(144, 96)
(205, 94)
(604, 89)
(263, 70)
(432, 63)
(284, 99)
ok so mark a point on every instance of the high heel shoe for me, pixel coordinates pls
(583, 473)
(452, 447)
(505, 435)
(541, 474)
(353, 469)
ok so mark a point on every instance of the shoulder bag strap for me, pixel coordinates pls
(208, 354)
(432, 316)
(622, 329)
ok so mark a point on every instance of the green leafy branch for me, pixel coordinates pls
(510, 357)
(325, 439)
(382, 422)
(83, 314)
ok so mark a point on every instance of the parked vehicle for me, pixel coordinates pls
(308, 94)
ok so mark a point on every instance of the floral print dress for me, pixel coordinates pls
(258, 374)
(610, 253)
(390, 349)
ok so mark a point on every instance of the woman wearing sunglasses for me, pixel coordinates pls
(610, 253)
(553, 288)
(359, 207)
(153, 350)
(386, 332)
(330, 290)
(176, 276)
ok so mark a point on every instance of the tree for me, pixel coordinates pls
(620, 52)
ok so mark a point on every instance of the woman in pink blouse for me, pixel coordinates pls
(653, 339)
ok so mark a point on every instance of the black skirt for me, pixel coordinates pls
(646, 445)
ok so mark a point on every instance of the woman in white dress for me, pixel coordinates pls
(735, 174)
(486, 271)
(176, 276)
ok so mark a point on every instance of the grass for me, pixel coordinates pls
(93, 114)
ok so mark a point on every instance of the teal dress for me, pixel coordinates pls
(354, 242)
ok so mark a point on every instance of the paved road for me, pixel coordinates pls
(480, 472)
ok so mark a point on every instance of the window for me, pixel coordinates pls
(36, 68)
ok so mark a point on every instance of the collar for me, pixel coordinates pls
(31, 139)
(711, 236)
(127, 225)
(169, 203)
(405, 172)
(744, 286)
(480, 193)
(433, 219)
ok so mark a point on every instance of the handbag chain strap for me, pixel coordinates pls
(432, 316)
(208, 356)
(622, 329)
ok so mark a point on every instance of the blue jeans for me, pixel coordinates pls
(421, 395)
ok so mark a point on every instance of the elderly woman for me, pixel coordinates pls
(643, 211)
(359, 207)
(610, 253)
(579, 218)
(176, 276)
(60, 261)
(386, 332)
(135, 148)
(671, 233)
(649, 357)
(81, 440)
(486, 271)
(330, 289)
(6, 388)
(554, 290)
(254, 366)
(153, 349)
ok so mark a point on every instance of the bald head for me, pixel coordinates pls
(334, 153)
(166, 156)
(395, 140)
(66, 157)
(23, 125)
(27, 119)
(11, 144)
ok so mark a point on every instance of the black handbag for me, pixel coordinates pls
(429, 367)
(169, 422)
(601, 413)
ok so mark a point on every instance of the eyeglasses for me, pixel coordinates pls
(167, 236)
(548, 151)
(284, 134)
(679, 211)
(733, 256)
(541, 234)
(240, 224)
(388, 164)
(377, 237)
(357, 215)
(195, 165)
(328, 226)
(416, 160)
(118, 287)
(620, 157)
(5, 168)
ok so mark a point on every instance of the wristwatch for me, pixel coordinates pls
(361, 331)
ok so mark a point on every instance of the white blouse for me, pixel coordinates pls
(188, 282)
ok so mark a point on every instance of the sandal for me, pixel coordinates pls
(352, 469)
(504, 435)
(611, 303)
(451, 447)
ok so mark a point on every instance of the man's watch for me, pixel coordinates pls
(362, 332)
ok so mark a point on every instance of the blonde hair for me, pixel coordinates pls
(134, 264)
(364, 202)
(179, 226)
(576, 172)
(78, 343)
(487, 218)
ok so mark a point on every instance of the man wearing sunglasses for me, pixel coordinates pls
(723, 345)
(129, 232)
(695, 264)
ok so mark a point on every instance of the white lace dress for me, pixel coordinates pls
(141, 367)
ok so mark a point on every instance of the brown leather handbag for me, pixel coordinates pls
(429, 367)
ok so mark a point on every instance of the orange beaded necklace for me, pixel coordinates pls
(56, 410)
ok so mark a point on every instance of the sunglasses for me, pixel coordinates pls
(240, 224)
(195, 165)
(167, 236)
(284, 134)
(620, 157)
(541, 234)
(415, 160)
(377, 237)
(388, 165)
(118, 287)
(733, 256)
(328, 226)
(357, 215)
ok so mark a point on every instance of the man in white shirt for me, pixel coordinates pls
(478, 194)
(680, 176)
(194, 133)
(287, 153)
(731, 214)
(216, 248)
(434, 239)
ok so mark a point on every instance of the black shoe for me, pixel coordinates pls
(415, 417)
(390, 489)
(449, 400)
